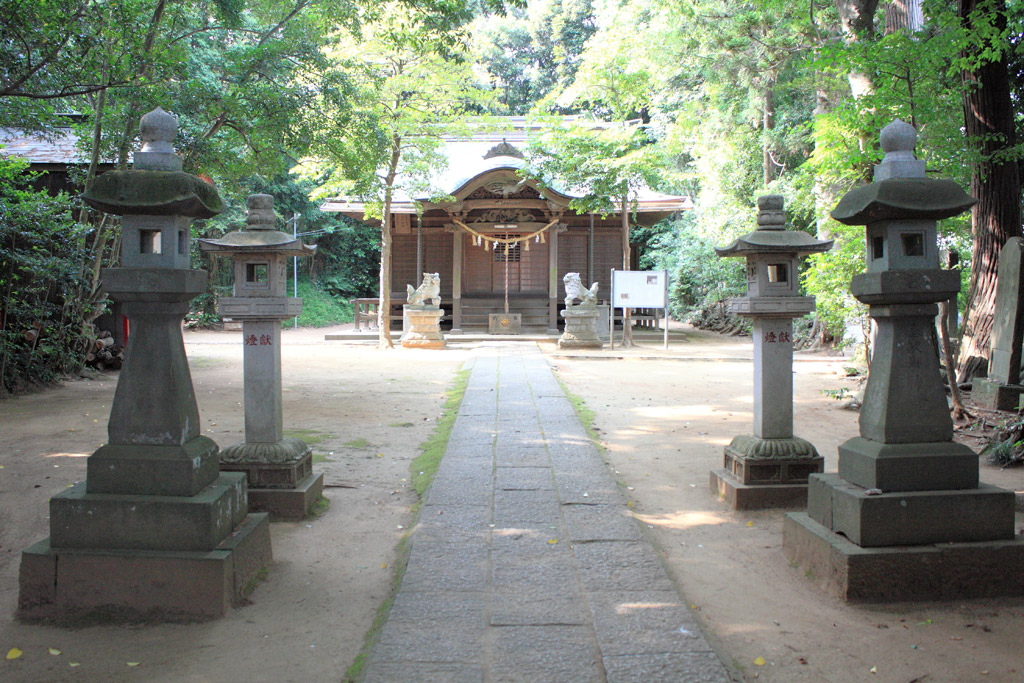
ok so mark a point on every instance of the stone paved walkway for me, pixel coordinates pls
(526, 564)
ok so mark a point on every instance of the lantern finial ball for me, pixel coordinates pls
(157, 130)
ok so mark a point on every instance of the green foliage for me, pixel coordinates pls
(701, 277)
(828, 277)
(528, 55)
(41, 285)
(319, 308)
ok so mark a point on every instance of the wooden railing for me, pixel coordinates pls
(365, 310)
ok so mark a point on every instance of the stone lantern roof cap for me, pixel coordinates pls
(154, 193)
(259, 235)
(771, 236)
(902, 198)
(900, 190)
(252, 241)
(156, 185)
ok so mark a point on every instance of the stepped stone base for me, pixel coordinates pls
(424, 327)
(765, 473)
(73, 584)
(910, 517)
(928, 466)
(580, 328)
(153, 470)
(291, 504)
(131, 522)
(994, 395)
(740, 496)
(945, 571)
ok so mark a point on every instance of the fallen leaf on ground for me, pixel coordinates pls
(73, 664)
(552, 541)
(54, 651)
(132, 663)
(751, 523)
(14, 653)
(759, 661)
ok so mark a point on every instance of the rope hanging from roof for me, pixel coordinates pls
(487, 240)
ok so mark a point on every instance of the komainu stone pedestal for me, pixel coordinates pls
(580, 328)
(424, 327)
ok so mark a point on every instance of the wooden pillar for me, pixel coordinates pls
(458, 239)
(553, 280)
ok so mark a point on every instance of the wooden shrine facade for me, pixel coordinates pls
(455, 239)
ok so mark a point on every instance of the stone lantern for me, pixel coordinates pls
(771, 467)
(280, 469)
(156, 530)
(905, 517)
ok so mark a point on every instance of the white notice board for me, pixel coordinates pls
(639, 288)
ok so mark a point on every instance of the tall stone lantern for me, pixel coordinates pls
(905, 517)
(771, 467)
(280, 469)
(156, 530)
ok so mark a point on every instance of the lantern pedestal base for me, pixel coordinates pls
(994, 395)
(941, 571)
(740, 496)
(763, 473)
(80, 584)
(289, 505)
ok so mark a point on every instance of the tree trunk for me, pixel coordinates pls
(988, 121)
(767, 123)
(857, 19)
(627, 322)
(904, 14)
(384, 301)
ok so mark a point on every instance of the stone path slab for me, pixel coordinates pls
(526, 564)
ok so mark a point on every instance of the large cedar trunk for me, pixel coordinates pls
(857, 18)
(988, 120)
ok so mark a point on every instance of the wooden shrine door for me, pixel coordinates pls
(485, 270)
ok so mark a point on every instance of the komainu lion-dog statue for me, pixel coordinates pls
(429, 289)
(574, 289)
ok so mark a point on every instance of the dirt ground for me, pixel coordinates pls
(663, 417)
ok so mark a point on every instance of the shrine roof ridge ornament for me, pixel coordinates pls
(504, 149)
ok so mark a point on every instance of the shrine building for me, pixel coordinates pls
(491, 201)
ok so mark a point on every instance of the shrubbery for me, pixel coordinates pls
(43, 302)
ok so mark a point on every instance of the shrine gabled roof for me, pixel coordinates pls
(468, 159)
(59, 147)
